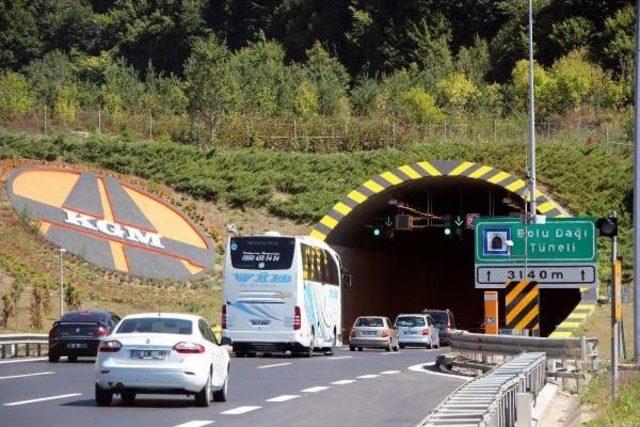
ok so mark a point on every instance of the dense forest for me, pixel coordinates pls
(202, 65)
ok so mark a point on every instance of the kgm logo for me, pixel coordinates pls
(113, 229)
(110, 223)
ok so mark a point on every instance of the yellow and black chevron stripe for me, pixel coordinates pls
(578, 316)
(428, 170)
(522, 305)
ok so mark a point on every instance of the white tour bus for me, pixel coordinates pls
(281, 294)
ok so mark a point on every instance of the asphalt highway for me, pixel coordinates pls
(369, 388)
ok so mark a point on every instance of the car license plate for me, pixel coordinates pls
(411, 332)
(148, 354)
(369, 333)
(76, 345)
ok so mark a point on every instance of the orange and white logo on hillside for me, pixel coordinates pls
(110, 223)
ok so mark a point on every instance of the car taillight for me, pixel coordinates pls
(223, 319)
(54, 331)
(384, 334)
(425, 332)
(449, 323)
(188, 347)
(353, 333)
(102, 331)
(111, 346)
(297, 318)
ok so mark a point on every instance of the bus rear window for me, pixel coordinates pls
(262, 252)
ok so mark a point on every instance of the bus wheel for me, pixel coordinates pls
(352, 348)
(312, 343)
(334, 345)
(309, 352)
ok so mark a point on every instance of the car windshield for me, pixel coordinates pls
(410, 321)
(370, 322)
(440, 317)
(155, 325)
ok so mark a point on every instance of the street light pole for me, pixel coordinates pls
(532, 123)
(62, 251)
(636, 201)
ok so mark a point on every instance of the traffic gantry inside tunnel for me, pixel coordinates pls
(406, 236)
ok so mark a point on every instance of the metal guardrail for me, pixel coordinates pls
(11, 344)
(490, 400)
(583, 349)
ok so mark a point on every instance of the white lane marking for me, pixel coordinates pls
(389, 372)
(283, 398)
(366, 377)
(340, 357)
(343, 382)
(315, 389)
(274, 365)
(42, 399)
(390, 353)
(35, 374)
(240, 410)
(420, 368)
(196, 423)
(32, 359)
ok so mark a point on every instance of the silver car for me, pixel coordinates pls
(373, 332)
(418, 330)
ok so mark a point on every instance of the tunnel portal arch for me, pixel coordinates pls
(454, 173)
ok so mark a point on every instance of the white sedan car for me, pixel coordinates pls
(161, 353)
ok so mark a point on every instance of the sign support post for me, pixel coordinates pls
(616, 313)
(636, 198)
(62, 251)
(532, 123)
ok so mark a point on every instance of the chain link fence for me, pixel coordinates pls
(318, 134)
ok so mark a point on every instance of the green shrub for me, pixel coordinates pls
(306, 101)
(575, 81)
(544, 84)
(16, 98)
(67, 103)
(456, 93)
(421, 108)
(330, 78)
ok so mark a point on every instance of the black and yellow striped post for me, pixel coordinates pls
(522, 305)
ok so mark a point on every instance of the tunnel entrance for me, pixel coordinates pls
(409, 271)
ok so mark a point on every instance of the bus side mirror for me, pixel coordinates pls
(346, 279)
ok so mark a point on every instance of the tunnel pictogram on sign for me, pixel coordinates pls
(522, 305)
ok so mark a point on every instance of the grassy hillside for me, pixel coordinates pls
(625, 411)
(588, 180)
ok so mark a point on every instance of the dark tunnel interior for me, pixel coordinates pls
(409, 271)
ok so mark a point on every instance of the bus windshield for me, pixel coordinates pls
(262, 252)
